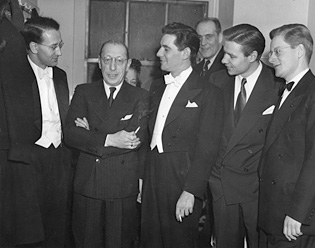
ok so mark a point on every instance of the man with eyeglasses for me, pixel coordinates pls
(107, 122)
(250, 92)
(287, 166)
(36, 108)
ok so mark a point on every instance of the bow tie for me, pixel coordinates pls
(287, 86)
(169, 79)
(45, 72)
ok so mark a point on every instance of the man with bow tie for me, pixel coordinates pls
(185, 127)
(287, 166)
(36, 108)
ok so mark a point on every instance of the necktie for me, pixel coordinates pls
(111, 95)
(240, 102)
(287, 86)
(205, 67)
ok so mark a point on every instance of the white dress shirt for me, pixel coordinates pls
(51, 128)
(173, 87)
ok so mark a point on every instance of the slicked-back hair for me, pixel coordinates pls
(114, 42)
(248, 36)
(35, 27)
(186, 36)
(216, 22)
(295, 34)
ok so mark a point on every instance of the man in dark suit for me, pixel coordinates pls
(36, 105)
(185, 126)
(234, 179)
(287, 185)
(107, 122)
(211, 50)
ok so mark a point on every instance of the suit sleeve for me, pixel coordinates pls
(92, 141)
(302, 204)
(207, 146)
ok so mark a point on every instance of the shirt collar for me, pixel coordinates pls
(180, 79)
(40, 72)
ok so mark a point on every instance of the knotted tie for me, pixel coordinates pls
(111, 95)
(205, 68)
(240, 102)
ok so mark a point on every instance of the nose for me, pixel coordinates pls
(203, 41)
(58, 51)
(159, 53)
(224, 59)
(113, 64)
(272, 57)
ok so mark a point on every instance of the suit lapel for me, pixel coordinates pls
(61, 89)
(253, 110)
(281, 116)
(99, 100)
(187, 92)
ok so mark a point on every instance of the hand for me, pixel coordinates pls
(185, 205)
(82, 123)
(291, 228)
(123, 139)
(140, 191)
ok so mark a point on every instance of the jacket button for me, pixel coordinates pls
(273, 182)
(97, 160)
(261, 180)
(250, 151)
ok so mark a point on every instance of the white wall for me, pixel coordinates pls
(269, 14)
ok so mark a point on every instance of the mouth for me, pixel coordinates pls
(112, 76)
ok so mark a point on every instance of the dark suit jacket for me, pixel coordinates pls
(216, 66)
(107, 172)
(235, 173)
(195, 131)
(24, 115)
(287, 167)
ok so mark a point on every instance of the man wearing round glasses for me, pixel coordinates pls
(36, 109)
(107, 122)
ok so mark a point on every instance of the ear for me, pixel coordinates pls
(128, 64)
(33, 47)
(253, 56)
(186, 53)
(300, 50)
(220, 38)
(99, 63)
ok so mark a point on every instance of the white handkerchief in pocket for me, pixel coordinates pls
(127, 117)
(191, 104)
(269, 110)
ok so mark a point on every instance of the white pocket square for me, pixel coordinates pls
(269, 110)
(191, 105)
(127, 117)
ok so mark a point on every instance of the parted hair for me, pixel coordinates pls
(248, 36)
(295, 34)
(186, 36)
(35, 27)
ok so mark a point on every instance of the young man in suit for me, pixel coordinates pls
(36, 106)
(107, 122)
(211, 50)
(185, 127)
(249, 90)
(287, 185)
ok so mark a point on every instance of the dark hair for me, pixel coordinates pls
(115, 42)
(248, 36)
(35, 27)
(186, 36)
(215, 20)
(136, 65)
(295, 34)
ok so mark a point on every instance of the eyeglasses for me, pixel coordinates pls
(277, 51)
(54, 46)
(119, 61)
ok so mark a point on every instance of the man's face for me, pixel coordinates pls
(210, 41)
(114, 63)
(49, 50)
(283, 58)
(170, 57)
(235, 60)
